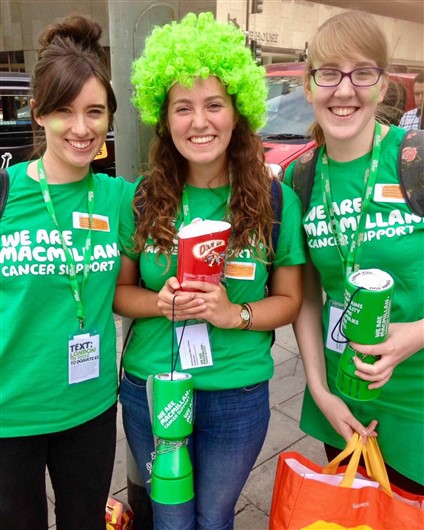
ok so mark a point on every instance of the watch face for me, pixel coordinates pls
(245, 316)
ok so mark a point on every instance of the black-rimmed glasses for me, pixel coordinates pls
(361, 77)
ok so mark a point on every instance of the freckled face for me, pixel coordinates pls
(76, 133)
(201, 121)
(346, 112)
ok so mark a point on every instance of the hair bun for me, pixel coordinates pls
(76, 28)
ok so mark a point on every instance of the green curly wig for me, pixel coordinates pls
(198, 47)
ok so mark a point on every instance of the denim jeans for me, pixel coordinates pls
(229, 430)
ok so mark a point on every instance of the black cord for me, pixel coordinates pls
(339, 322)
(173, 332)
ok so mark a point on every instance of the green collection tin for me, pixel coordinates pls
(367, 298)
(172, 422)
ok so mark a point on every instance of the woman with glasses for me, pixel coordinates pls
(356, 175)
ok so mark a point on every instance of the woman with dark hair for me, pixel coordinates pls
(62, 233)
(199, 84)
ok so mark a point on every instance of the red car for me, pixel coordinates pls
(285, 136)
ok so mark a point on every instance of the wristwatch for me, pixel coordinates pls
(246, 317)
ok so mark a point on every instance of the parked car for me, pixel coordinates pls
(16, 139)
(285, 136)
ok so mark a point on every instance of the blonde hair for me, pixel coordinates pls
(342, 36)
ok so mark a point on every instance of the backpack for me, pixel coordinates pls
(4, 189)
(410, 171)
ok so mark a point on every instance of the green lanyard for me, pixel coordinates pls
(75, 288)
(350, 256)
(186, 207)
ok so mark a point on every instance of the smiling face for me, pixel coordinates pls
(201, 121)
(75, 133)
(347, 113)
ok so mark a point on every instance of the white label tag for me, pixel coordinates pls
(195, 348)
(334, 329)
(84, 358)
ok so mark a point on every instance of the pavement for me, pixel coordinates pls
(284, 434)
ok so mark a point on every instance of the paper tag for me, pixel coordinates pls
(334, 329)
(240, 270)
(388, 193)
(195, 348)
(83, 358)
(100, 223)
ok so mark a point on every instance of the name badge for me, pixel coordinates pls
(335, 340)
(83, 358)
(195, 347)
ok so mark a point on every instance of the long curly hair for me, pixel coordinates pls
(200, 47)
(158, 199)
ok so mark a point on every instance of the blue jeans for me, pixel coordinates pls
(229, 430)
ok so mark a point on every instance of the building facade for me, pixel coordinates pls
(283, 29)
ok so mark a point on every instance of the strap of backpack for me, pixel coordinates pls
(303, 176)
(277, 207)
(411, 170)
(4, 189)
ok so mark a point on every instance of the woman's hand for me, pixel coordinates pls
(178, 305)
(342, 420)
(404, 340)
(214, 304)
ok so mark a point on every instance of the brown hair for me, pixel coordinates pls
(68, 56)
(159, 198)
(342, 36)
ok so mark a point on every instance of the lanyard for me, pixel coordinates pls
(350, 256)
(186, 207)
(75, 288)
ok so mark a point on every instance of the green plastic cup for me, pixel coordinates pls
(350, 384)
(172, 475)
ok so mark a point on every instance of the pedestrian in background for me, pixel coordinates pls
(198, 83)
(62, 233)
(346, 78)
(413, 118)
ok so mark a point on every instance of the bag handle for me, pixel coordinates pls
(373, 458)
(374, 464)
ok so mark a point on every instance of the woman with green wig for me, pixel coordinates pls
(198, 84)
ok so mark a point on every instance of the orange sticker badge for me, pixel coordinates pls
(388, 193)
(82, 220)
(240, 270)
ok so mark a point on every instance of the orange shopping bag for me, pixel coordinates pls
(312, 497)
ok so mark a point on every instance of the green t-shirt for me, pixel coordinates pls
(394, 242)
(240, 358)
(38, 310)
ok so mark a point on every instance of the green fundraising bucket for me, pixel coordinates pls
(172, 422)
(368, 296)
